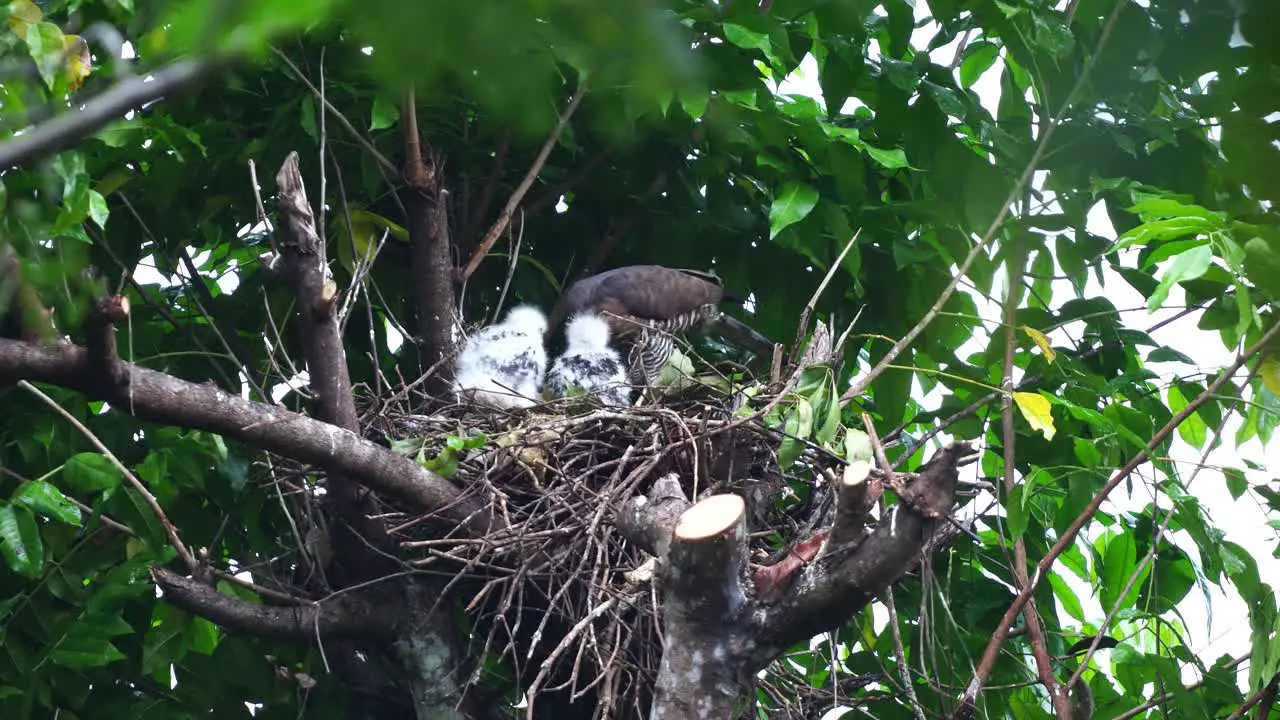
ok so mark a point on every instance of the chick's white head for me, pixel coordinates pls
(587, 332)
(526, 318)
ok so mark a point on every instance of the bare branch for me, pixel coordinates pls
(345, 615)
(1030, 614)
(509, 210)
(430, 249)
(163, 398)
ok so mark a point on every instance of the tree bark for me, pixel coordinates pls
(430, 256)
(718, 632)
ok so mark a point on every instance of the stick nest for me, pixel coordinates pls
(558, 580)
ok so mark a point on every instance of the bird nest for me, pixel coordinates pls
(558, 579)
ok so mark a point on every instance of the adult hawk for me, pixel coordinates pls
(589, 364)
(645, 305)
(502, 365)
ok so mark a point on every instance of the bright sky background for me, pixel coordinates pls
(1215, 628)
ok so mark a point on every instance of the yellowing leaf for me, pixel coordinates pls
(1270, 372)
(1042, 341)
(1036, 409)
(79, 61)
(21, 14)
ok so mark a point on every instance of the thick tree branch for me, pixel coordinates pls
(648, 521)
(362, 547)
(163, 398)
(345, 615)
(64, 131)
(302, 262)
(704, 592)
(509, 210)
(430, 256)
(846, 578)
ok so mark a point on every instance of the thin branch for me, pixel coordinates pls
(1031, 614)
(509, 210)
(169, 530)
(908, 686)
(64, 131)
(803, 326)
(1069, 535)
(1014, 193)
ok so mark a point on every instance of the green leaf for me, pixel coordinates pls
(1066, 598)
(385, 113)
(748, 39)
(98, 209)
(91, 472)
(1170, 229)
(978, 58)
(1192, 430)
(20, 542)
(79, 652)
(893, 159)
(792, 203)
(1187, 266)
(1119, 562)
(1017, 515)
(47, 501)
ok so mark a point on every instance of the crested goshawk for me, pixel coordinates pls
(646, 305)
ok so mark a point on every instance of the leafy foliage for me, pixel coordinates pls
(688, 152)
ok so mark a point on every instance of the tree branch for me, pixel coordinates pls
(509, 210)
(64, 131)
(1031, 614)
(703, 593)
(344, 615)
(165, 399)
(848, 577)
(989, 655)
(431, 261)
(648, 521)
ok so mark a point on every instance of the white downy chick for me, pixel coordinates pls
(590, 364)
(503, 365)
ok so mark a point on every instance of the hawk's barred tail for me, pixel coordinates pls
(743, 334)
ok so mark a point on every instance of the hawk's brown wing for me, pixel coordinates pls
(646, 292)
